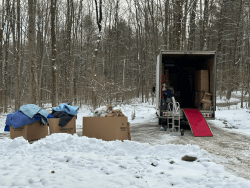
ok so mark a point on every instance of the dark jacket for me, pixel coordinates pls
(64, 117)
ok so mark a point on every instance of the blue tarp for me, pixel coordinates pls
(18, 119)
(71, 110)
(31, 109)
(50, 116)
(27, 114)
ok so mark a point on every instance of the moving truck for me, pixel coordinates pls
(192, 74)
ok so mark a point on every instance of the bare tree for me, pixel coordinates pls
(113, 60)
(18, 58)
(53, 49)
(1, 52)
(32, 53)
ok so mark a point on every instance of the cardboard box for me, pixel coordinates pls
(207, 96)
(69, 128)
(110, 115)
(211, 70)
(206, 106)
(206, 101)
(202, 80)
(129, 135)
(105, 128)
(200, 99)
(33, 131)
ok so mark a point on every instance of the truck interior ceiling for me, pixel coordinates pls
(180, 69)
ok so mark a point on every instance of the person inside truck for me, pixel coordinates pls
(169, 93)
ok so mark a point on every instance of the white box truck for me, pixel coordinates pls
(191, 74)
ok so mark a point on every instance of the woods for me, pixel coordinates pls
(98, 52)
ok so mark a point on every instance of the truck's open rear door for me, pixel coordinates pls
(158, 82)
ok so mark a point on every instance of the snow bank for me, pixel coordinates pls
(237, 120)
(63, 160)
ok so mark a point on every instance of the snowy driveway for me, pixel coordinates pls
(228, 148)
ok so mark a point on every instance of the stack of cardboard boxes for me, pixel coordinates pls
(202, 95)
(206, 101)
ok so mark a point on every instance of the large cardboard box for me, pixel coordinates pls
(105, 128)
(211, 75)
(206, 101)
(54, 127)
(200, 98)
(33, 131)
(206, 106)
(207, 96)
(202, 80)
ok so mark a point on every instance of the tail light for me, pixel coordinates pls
(207, 115)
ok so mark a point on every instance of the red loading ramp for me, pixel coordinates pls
(197, 122)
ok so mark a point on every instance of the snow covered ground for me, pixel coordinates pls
(2, 122)
(236, 119)
(224, 100)
(63, 160)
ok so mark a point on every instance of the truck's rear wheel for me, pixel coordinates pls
(159, 121)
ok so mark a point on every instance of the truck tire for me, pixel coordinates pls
(159, 121)
(182, 132)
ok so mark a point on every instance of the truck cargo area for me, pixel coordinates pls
(182, 71)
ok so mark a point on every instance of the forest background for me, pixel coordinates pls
(101, 51)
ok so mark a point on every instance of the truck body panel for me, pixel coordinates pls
(181, 67)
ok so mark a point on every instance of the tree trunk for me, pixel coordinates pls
(32, 53)
(70, 63)
(166, 25)
(53, 48)
(5, 84)
(191, 42)
(42, 61)
(178, 28)
(13, 29)
(18, 66)
(232, 71)
(184, 38)
(1, 56)
(205, 23)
